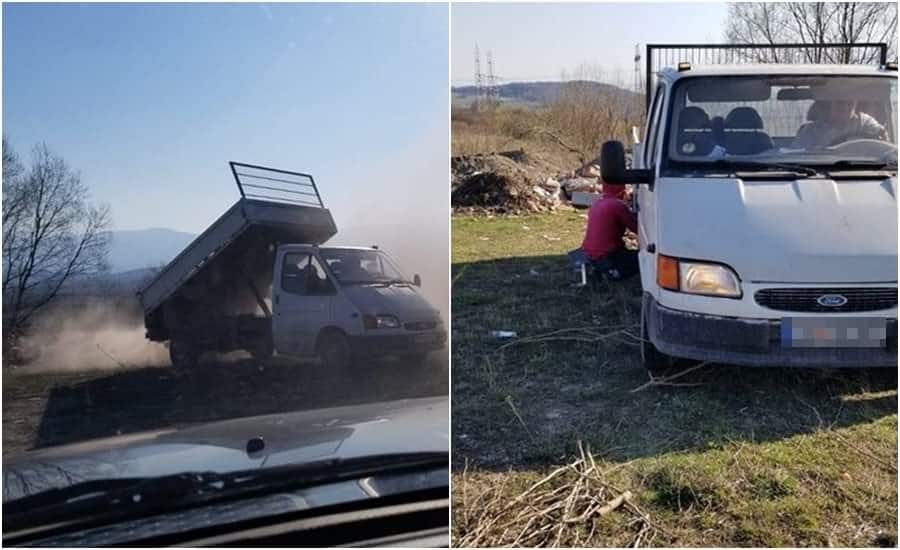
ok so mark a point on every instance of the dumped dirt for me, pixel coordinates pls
(513, 182)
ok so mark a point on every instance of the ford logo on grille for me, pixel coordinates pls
(831, 300)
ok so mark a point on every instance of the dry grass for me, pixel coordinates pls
(562, 507)
(505, 129)
(717, 456)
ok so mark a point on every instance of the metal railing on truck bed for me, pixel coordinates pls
(659, 56)
(284, 207)
(272, 184)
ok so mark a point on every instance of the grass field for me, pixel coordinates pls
(732, 456)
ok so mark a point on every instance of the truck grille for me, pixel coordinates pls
(421, 325)
(805, 299)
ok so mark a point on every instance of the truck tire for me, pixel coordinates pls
(656, 362)
(333, 350)
(182, 354)
(263, 350)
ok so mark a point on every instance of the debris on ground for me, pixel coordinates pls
(562, 509)
(520, 182)
(514, 182)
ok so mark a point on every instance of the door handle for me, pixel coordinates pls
(276, 298)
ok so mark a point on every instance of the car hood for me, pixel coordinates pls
(404, 301)
(412, 425)
(803, 231)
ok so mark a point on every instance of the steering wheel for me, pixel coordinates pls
(864, 147)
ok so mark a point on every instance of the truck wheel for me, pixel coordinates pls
(263, 350)
(656, 362)
(182, 354)
(333, 350)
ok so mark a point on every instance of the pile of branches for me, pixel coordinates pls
(562, 509)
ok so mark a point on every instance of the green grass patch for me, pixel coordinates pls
(748, 457)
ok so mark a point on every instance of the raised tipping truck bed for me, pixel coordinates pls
(215, 289)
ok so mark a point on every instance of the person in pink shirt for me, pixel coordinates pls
(608, 219)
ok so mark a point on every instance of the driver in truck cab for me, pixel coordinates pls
(608, 219)
(836, 121)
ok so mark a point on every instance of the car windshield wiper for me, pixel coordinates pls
(862, 164)
(119, 499)
(380, 282)
(756, 166)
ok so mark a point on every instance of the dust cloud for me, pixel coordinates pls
(93, 335)
(402, 204)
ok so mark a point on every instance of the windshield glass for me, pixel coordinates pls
(812, 120)
(358, 266)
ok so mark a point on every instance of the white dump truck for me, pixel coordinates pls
(261, 279)
(766, 195)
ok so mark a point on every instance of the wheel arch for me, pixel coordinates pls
(329, 329)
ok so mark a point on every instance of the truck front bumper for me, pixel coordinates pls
(375, 345)
(752, 342)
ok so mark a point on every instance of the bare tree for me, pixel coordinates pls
(813, 23)
(51, 234)
(591, 110)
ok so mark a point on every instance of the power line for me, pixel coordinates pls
(492, 92)
(479, 78)
(637, 84)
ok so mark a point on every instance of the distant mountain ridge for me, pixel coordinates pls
(145, 248)
(536, 92)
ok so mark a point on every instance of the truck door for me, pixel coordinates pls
(646, 195)
(303, 296)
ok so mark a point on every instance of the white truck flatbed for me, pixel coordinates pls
(281, 214)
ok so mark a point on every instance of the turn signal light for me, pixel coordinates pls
(667, 272)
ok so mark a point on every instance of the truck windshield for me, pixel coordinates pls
(353, 266)
(778, 119)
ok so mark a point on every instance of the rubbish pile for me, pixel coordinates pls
(515, 182)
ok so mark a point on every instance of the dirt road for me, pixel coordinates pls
(42, 409)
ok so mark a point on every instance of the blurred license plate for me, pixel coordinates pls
(833, 332)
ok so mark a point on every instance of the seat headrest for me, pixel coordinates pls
(816, 110)
(744, 118)
(718, 125)
(693, 118)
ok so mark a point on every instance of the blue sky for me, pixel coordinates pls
(539, 41)
(149, 102)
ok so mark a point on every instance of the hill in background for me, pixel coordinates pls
(143, 248)
(535, 93)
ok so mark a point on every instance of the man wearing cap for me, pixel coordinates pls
(608, 219)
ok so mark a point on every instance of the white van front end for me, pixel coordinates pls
(808, 270)
(767, 216)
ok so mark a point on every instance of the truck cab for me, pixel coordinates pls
(240, 286)
(343, 302)
(767, 215)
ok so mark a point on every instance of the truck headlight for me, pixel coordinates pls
(380, 321)
(692, 277)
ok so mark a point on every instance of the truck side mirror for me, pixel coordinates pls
(612, 166)
(417, 280)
